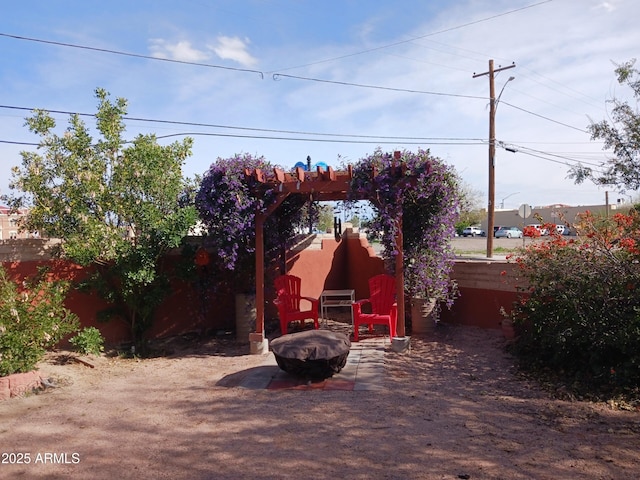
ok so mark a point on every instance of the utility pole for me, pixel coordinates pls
(492, 151)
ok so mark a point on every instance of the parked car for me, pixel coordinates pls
(509, 232)
(535, 230)
(473, 232)
(496, 228)
(565, 230)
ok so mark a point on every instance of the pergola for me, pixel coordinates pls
(321, 185)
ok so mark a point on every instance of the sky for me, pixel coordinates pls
(334, 80)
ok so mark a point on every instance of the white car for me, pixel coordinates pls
(509, 232)
(473, 232)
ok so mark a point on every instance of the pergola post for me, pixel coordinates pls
(400, 329)
(258, 343)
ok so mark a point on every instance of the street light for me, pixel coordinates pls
(500, 94)
(510, 195)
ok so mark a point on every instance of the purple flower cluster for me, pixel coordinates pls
(418, 193)
(228, 201)
(227, 207)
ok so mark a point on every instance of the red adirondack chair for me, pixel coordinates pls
(289, 300)
(384, 309)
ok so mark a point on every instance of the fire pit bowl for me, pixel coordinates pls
(313, 354)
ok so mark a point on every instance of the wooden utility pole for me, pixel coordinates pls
(492, 151)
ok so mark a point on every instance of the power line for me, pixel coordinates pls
(542, 100)
(565, 87)
(401, 42)
(265, 130)
(282, 75)
(332, 140)
(523, 66)
(475, 97)
(543, 117)
(276, 76)
(183, 62)
(560, 159)
(556, 155)
(547, 159)
(11, 142)
(297, 139)
(128, 54)
(209, 125)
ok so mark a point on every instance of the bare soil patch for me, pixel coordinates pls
(453, 407)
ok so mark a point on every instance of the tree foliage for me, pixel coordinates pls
(33, 319)
(325, 217)
(471, 211)
(116, 205)
(621, 135)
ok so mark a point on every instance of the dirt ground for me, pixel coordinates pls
(453, 407)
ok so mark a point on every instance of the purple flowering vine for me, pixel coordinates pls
(417, 188)
(227, 202)
(420, 194)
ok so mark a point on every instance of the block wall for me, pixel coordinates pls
(322, 263)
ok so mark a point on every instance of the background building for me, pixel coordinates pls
(9, 225)
(559, 214)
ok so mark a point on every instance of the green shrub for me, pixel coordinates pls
(32, 320)
(88, 341)
(579, 317)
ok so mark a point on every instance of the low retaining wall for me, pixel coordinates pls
(485, 292)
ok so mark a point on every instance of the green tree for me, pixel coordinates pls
(325, 217)
(621, 135)
(471, 212)
(115, 205)
(355, 221)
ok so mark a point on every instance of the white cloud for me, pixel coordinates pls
(181, 50)
(608, 6)
(234, 48)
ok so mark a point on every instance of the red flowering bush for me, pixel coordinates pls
(530, 231)
(580, 312)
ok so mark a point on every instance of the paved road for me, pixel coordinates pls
(479, 244)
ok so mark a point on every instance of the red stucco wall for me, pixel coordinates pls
(347, 264)
(82, 304)
(479, 307)
(328, 264)
(486, 289)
